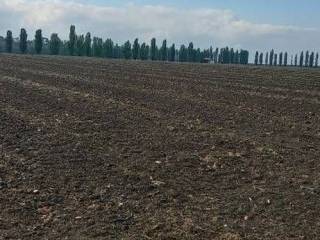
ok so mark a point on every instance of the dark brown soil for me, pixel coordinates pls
(100, 149)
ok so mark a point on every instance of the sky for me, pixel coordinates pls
(283, 25)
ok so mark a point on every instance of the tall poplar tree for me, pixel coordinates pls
(306, 62)
(135, 49)
(311, 60)
(275, 62)
(164, 51)
(301, 59)
(80, 48)
(9, 41)
(183, 54)
(54, 44)
(216, 54)
(280, 58)
(244, 57)
(144, 52)
(191, 54)
(271, 61)
(231, 56)
(23, 40)
(87, 44)
(72, 40)
(97, 47)
(108, 48)
(316, 60)
(285, 62)
(256, 58)
(127, 52)
(172, 53)
(261, 59)
(38, 42)
(267, 58)
(153, 50)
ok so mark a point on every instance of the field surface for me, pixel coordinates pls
(102, 149)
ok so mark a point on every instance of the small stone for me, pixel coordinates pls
(93, 206)
(171, 128)
(157, 183)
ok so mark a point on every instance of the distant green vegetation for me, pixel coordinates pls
(85, 45)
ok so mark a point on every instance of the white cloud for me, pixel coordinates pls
(204, 27)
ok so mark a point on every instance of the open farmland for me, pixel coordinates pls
(102, 149)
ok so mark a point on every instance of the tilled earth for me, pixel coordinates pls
(103, 149)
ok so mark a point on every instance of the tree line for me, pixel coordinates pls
(307, 59)
(85, 45)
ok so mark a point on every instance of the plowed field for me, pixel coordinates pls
(107, 149)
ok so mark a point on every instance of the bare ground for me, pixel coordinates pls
(101, 149)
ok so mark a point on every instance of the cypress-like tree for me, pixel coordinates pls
(172, 53)
(275, 59)
(316, 60)
(80, 48)
(256, 58)
(72, 40)
(271, 60)
(226, 56)
(301, 59)
(108, 48)
(38, 42)
(231, 56)
(135, 49)
(23, 40)
(311, 61)
(280, 59)
(153, 53)
(65, 48)
(164, 51)
(87, 44)
(127, 50)
(183, 54)
(216, 54)
(236, 59)
(285, 62)
(191, 54)
(147, 53)
(306, 63)
(9, 41)
(117, 51)
(144, 52)
(97, 47)
(211, 53)
(244, 57)
(261, 59)
(267, 58)
(54, 44)
(220, 56)
(296, 60)
(199, 55)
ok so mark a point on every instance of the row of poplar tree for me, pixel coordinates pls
(308, 59)
(84, 45)
(80, 45)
